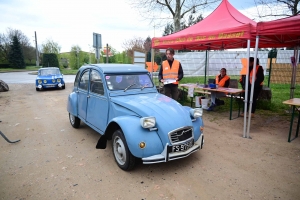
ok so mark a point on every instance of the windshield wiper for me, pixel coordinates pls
(144, 86)
(129, 87)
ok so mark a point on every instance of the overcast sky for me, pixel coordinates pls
(73, 22)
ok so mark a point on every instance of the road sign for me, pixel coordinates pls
(97, 41)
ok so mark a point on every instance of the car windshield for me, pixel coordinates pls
(45, 72)
(128, 81)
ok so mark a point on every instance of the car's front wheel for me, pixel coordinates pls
(75, 121)
(123, 157)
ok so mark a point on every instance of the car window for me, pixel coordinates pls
(96, 85)
(46, 72)
(84, 80)
(133, 81)
(77, 79)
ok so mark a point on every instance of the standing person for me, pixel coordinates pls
(258, 84)
(170, 73)
(222, 80)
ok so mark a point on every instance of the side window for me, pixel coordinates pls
(76, 82)
(84, 80)
(96, 83)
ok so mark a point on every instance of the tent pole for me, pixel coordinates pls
(252, 86)
(270, 69)
(205, 67)
(294, 71)
(246, 89)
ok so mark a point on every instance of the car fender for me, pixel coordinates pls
(72, 104)
(135, 134)
(197, 125)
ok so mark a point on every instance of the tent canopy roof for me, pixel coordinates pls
(224, 28)
(279, 33)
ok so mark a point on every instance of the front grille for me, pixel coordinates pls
(181, 134)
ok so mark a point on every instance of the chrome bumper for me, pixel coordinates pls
(167, 155)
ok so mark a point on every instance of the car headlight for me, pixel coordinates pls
(45, 81)
(58, 80)
(196, 112)
(39, 81)
(53, 80)
(148, 122)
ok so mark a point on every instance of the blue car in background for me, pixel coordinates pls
(122, 104)
(49, 77)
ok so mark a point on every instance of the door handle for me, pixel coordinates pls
(88, 96)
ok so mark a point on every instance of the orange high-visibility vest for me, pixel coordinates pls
(170, 73)
(251, 74)
(221, 83)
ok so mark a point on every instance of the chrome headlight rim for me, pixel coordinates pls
(39, 81)
(44, 81)
(196, 112)
(58, 80)
(148, 122)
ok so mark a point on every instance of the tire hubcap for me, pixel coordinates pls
(119, 151)
(72, 119)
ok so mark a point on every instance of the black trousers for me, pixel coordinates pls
(256, 92)
(171, 90)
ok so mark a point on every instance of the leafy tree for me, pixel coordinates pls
(15, 56)
(191, 21)
(169, 29)
(75, 55)
(283, 8)
(177, 8)
(51, 47)
(50, 60)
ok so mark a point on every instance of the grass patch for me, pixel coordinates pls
(280, 92)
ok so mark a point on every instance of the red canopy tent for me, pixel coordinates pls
(224, 28)
(279, 33)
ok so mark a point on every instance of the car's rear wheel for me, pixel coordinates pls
(75, 121)
(123, 156)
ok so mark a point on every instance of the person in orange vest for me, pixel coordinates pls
(222, 80)
(258, 84)
(170, 73)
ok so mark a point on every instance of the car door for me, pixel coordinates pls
(97, 105)
(83, 94)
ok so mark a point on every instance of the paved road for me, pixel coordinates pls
(27, 77)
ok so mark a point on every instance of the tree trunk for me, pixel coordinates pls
(177, 17)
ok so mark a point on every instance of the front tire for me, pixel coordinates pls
(75, 121)
(123, 157)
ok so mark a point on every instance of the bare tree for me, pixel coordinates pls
(150, 9)
(7, 39)
(51, 47)
(135, 44)
(278, 8)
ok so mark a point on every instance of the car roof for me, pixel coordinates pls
(48, 68)
(116, 68)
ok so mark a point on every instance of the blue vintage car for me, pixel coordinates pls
(122, 104)
(49, 77)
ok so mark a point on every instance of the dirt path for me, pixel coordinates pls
(55, 161)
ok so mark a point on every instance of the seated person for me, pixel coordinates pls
(222, 80)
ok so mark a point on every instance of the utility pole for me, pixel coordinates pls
(106, 53)
(36, 51)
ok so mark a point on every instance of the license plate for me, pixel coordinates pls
(183, 147)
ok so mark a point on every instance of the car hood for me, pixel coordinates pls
(169, 113)
(49, 77)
